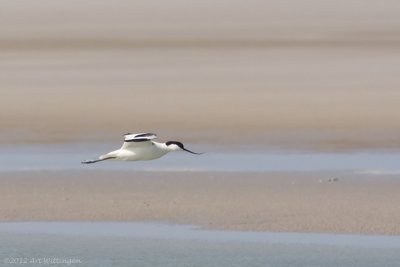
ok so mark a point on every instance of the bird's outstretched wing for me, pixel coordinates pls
(140, 139)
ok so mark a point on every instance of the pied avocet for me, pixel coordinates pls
(141, 147)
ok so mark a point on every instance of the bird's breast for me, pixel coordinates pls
(147, 153)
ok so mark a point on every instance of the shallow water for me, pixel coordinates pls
(68, 157)
(150, 244)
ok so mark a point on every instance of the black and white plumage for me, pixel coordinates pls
(141, 147)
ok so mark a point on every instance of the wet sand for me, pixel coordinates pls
(287, 74)
(290, 202)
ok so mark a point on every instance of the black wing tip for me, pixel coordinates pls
(138, 140)
(141, 134)
(141, 137)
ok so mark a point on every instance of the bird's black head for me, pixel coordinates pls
(180, 145)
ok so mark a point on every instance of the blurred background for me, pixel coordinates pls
(311, 73)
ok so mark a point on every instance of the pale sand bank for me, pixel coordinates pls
(299, 202)
(288, 73)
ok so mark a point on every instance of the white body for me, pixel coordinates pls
(139, 151)
(141, 147)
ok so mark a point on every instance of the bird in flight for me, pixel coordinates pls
(141, 147)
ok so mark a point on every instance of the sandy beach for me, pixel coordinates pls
(290, 202)
(292, 75)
